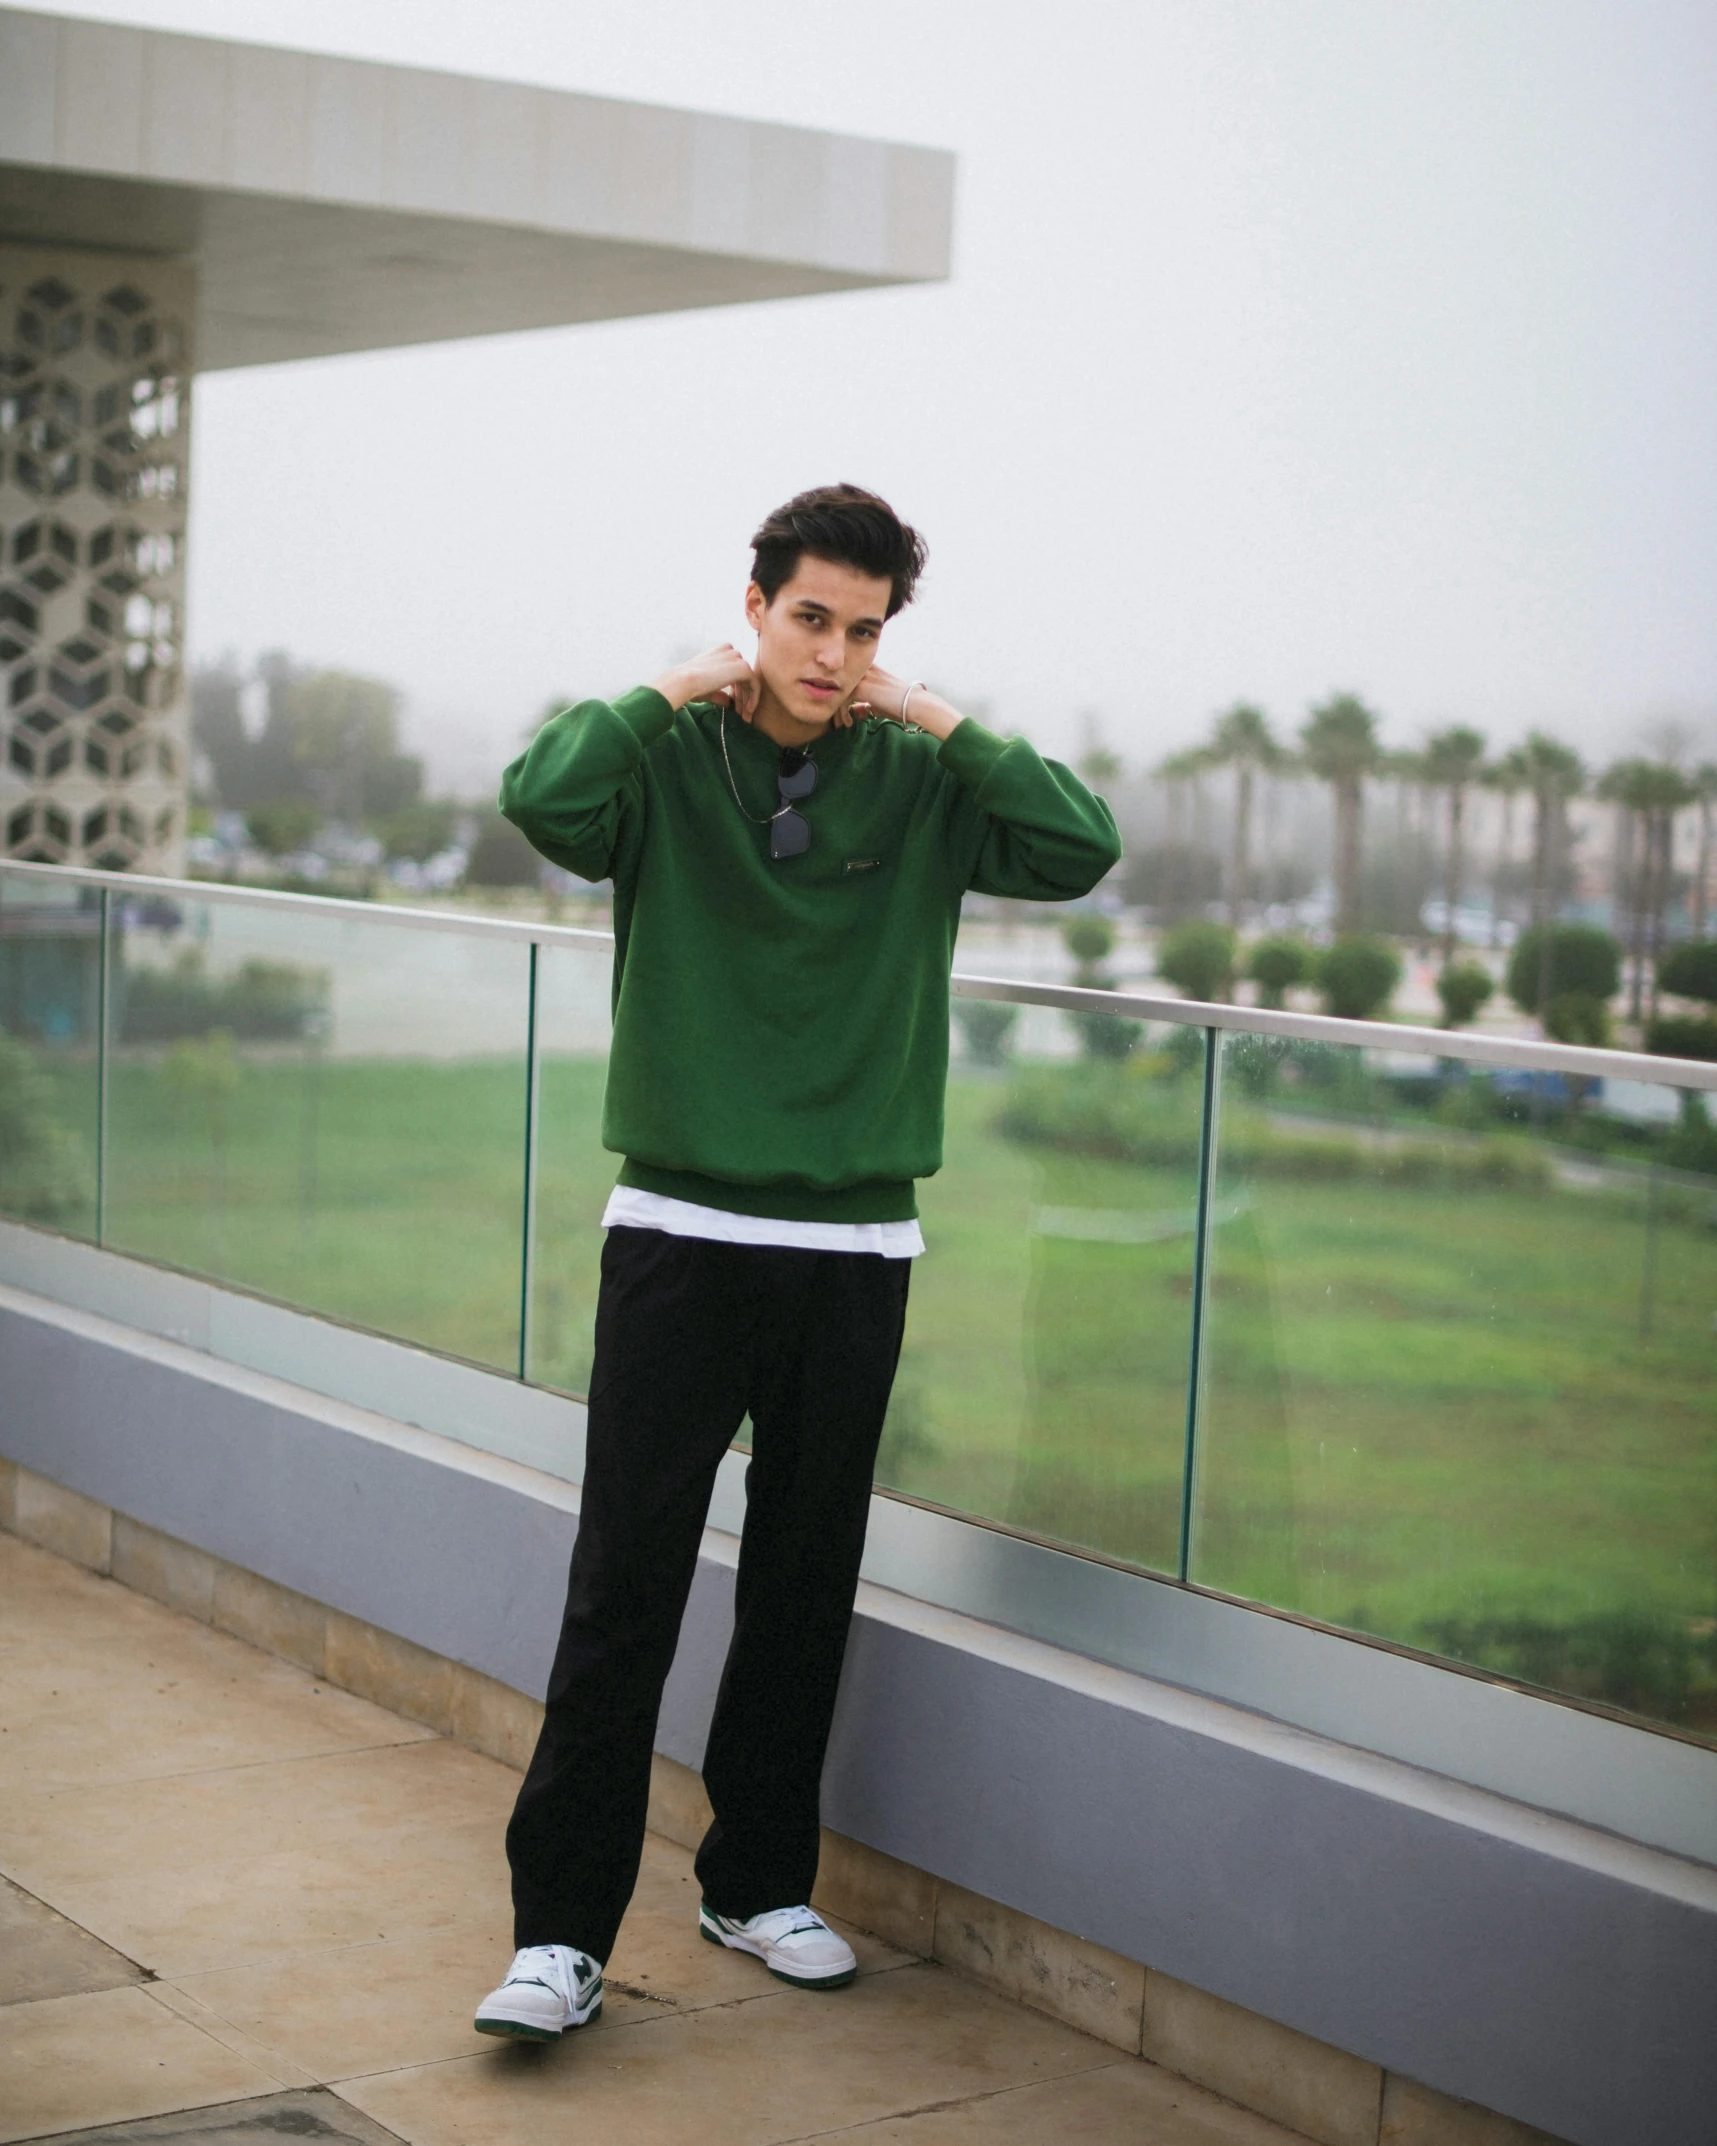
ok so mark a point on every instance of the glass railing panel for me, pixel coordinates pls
(1458, 1374)
(1043, 1381)
(574, 1172)
(50, 1046)
(326, 1109)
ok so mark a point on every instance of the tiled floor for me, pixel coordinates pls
(242, 1903)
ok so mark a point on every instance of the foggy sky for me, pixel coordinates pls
(1292, 345)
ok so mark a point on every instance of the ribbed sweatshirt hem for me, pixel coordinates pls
(875, 1199)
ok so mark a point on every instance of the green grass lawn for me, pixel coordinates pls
(1432, 1414)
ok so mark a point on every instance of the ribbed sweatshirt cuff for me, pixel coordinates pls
(646, 713)
(970, 752)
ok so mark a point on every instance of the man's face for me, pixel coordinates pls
(819, 637)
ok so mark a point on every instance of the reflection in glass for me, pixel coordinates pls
(326, 1110)
(1458, 1369)
(50, 1006)
(574, 1172)
(1043, 1380)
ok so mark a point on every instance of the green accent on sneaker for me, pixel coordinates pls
(815, 1982)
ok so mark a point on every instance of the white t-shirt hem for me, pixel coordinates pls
(631, 1209)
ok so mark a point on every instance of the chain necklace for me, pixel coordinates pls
(768, 818)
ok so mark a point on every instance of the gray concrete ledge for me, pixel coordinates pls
(1496, 1953)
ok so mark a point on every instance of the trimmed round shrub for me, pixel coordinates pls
(1464, 987)
(1198, 958)
(1578, 1017)
(1089, 939)
(1277, 964)
(1690, 971)
(1582, 958)
(1356, 976)
(1682, 1036)
(987, 1027)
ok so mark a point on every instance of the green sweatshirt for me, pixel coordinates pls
(781, 1030)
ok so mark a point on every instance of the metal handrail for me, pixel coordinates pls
(217, 890)
(1518, 1052)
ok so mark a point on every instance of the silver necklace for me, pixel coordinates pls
(769, 818)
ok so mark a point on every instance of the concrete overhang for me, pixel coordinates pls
(334, 205)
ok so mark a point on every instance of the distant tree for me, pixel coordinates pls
(419, 831)
(1357, 975)
(1276, 964)
(345, 737)
(1097, 764)
(987, 1026)
(1170, 879)
(217, 727)
(1198, 958)
(1507, 777)
(1242, 740)
(1341, 748)
(1182, 777)
(1705, 789)
(1578, 1017)
(1690, 970)
(501, 857)
(1578, 957)
(1651, 792)
(1453, 761)
(1553, 772)
(1090, 940)
(282, 827)
(1682, 1036)
(1464, 988)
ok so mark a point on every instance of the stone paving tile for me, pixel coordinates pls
(70, 2062)
(324, 1889)
(782, 2067)
(44, 1955)
(129, 1690)
(219, 1868)
(374, 2007)
(1123, 2104)
(316, 2116)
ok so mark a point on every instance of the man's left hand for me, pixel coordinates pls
(880, 695)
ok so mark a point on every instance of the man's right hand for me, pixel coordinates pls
(718, 674)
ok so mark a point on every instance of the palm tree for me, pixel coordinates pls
(1242, 740)
(1651, 793)
(1181, 776)
(1705, 791)
(1342, 749)
(1454, 761)
(1507, 777)
(1553, 773)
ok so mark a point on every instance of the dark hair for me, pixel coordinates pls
(850, 527)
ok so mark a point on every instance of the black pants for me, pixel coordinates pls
(690, 1335)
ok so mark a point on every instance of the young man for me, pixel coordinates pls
(789, 842)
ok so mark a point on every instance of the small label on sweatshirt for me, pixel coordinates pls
(863, 864)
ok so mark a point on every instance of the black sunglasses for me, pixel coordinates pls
(789, 830)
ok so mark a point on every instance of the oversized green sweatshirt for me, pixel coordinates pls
(781, 1029)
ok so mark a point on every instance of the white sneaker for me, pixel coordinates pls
(548, 1988)
(794, 1943)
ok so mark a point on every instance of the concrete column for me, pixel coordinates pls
(95, 365)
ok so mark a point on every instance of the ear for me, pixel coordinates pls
(756, 603)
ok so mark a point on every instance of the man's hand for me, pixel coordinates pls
(880, 695)
(718, 674)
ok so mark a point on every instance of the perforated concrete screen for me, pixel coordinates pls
(94, 468)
